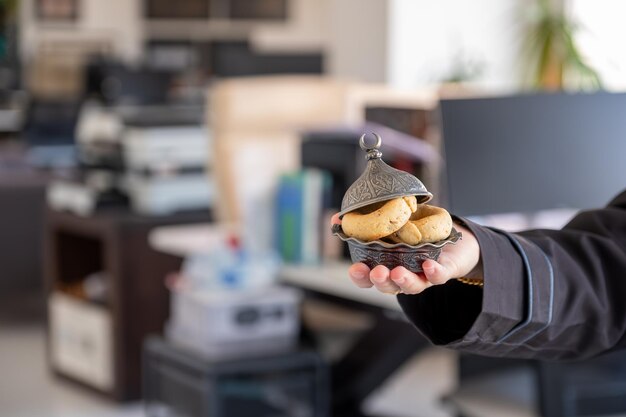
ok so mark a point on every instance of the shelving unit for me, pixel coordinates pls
(217, 9)
(99, 344)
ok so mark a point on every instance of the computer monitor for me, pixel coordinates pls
(533, 152)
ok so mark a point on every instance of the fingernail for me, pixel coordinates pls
(358, 275)
(401, 280)
(378, 279)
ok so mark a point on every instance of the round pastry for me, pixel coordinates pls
(409, 234)
(379, 220)
(412, 202)
(426, 224)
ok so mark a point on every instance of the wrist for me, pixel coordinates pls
(474, 266)
(476, 272)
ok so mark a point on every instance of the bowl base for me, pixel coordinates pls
(391, 258)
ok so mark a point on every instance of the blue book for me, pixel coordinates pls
(317, 185)
(289, 212)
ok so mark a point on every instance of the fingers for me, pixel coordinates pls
(440, 272)
(360, 275)
(407, 281)
(335, 219)
(379, 276)
(401, 279)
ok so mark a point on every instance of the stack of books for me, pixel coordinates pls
(302, 200)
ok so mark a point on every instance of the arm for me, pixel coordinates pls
(550, 294)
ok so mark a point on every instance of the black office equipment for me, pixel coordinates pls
(51, 123)
(537, 152)
(259, 9)
(49, 133)
(534, 152)
(337, 153)
(128, 86)
(237, 59)
(186, 9)
(178, 382)
(115, 83)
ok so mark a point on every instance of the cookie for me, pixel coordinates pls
(409, 234)
(426, 224)
(378, 220)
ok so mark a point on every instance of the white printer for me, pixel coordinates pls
(226, 324)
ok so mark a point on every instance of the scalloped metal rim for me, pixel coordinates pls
(454, 237)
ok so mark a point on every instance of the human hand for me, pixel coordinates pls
(456, 261)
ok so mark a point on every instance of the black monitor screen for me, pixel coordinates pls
(534, 152)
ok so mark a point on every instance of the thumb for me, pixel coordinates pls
(440, 272)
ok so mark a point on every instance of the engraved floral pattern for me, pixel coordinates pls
(391, 258)
(394, 254)
(359, 191)
(379, 181)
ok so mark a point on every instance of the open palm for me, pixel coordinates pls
(459, 260)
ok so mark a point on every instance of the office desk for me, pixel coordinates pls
(380, 350)
(391, 341)
(332, 279)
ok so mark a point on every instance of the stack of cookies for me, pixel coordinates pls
(399, 220)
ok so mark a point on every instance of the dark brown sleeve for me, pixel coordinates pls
(549, 294)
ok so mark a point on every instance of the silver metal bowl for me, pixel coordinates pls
(394, 254)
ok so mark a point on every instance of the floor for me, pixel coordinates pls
(29, 390)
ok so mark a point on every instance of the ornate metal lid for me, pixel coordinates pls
(380, 182)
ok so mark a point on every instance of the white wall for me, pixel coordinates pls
(426, 37)
(406, 43)
(306, 29)
(357, 41)
(601, 38)
(412, 43)
(119, 21)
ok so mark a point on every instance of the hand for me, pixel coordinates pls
(459, 260)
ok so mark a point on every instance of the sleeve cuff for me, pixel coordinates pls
(513, 306)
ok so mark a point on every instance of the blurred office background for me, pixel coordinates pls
(168, 170)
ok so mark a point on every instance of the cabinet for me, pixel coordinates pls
(217, 9)
(98, 343)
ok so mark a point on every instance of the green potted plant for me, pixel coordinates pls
(555, 62)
